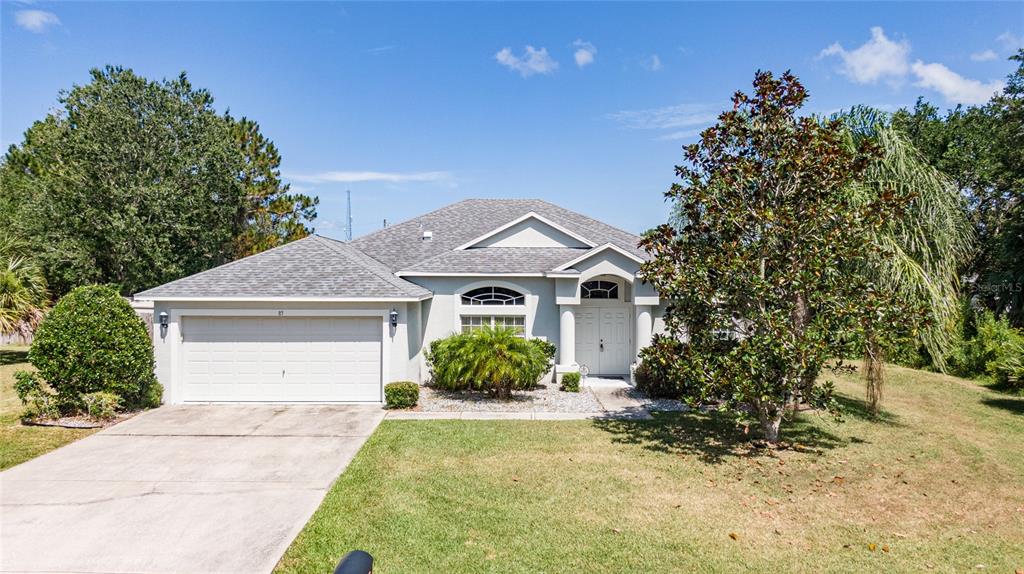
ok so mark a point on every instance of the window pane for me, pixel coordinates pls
(599, 290)
(493, 296)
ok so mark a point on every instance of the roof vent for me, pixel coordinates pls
(428, 235)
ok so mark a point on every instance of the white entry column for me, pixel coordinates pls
(567, 335)
(644, 327)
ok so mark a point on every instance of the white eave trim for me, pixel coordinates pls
(471, 274)
(287, 299)
(596, 251)
(517, 221)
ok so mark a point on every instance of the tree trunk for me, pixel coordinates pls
(770, 428)
(874, 372)
(770, 417)
(801, 316)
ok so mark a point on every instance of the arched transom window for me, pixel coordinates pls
(493, 296)
(599, 290)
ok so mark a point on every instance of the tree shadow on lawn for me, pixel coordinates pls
(10, 357)
(713, 437)
(1015, 406)
(859, 409)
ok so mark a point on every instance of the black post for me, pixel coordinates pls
(355, 562)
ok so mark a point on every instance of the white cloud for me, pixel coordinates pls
(532, 62)
(984, 56)
(1010, 41)
(681, 134)
(882, 58)
(681, 116)
(876, 59)
(379, 50)
(366, 176)
(954, 87)
(36, 20)
(651, 63)
(584, 54)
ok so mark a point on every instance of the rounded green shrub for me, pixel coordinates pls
(93, 341)
(401, 395)
(571, 382)
(496, 360)
(657, 375)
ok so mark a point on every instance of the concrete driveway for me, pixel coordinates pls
(213, 488)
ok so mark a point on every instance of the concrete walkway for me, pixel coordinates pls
(221, 488)
(614, 398)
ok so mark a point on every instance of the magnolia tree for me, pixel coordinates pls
(763, 270)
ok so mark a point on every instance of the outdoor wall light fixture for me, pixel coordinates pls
(163, 324)
(394, 317)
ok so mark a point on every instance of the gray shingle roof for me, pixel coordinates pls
(401, 246)
(497, 260)
(312, 267)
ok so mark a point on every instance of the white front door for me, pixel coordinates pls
(587, 338)
(614, 342)
(602, 339)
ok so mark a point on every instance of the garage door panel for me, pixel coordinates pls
(281, 359)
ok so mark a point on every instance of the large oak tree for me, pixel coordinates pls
(137, 182)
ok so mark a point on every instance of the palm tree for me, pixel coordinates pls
(499, 360)
(23, 294)
(923, 251)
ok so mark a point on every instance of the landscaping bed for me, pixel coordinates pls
(544, 397)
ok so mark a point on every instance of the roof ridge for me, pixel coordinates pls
(231, 263)
(556, 206)
(385, 274)
(411, 219)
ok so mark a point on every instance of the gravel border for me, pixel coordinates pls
(545, 398)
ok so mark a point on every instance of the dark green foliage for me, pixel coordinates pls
(495, 360)
(93, 341)
(571, 382)
(655, 376)
(271, 216)
(982, 149)
(767, 252)
(136, 182)
(547, 348)
(401, 395)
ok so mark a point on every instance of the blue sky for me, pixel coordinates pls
(414, 106)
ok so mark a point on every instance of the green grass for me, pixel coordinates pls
(936, 484)
(18, 442)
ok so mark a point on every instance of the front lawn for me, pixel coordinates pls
(936, 485)
(18, 442)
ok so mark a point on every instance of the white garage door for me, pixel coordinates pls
(281, 359)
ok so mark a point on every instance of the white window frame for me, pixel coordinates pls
(489, 321)
(527, 310)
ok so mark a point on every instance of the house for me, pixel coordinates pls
(328, 321)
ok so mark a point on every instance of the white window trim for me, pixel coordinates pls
(517, 221)
(529, 310)
(597, 251)
(492, 322)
